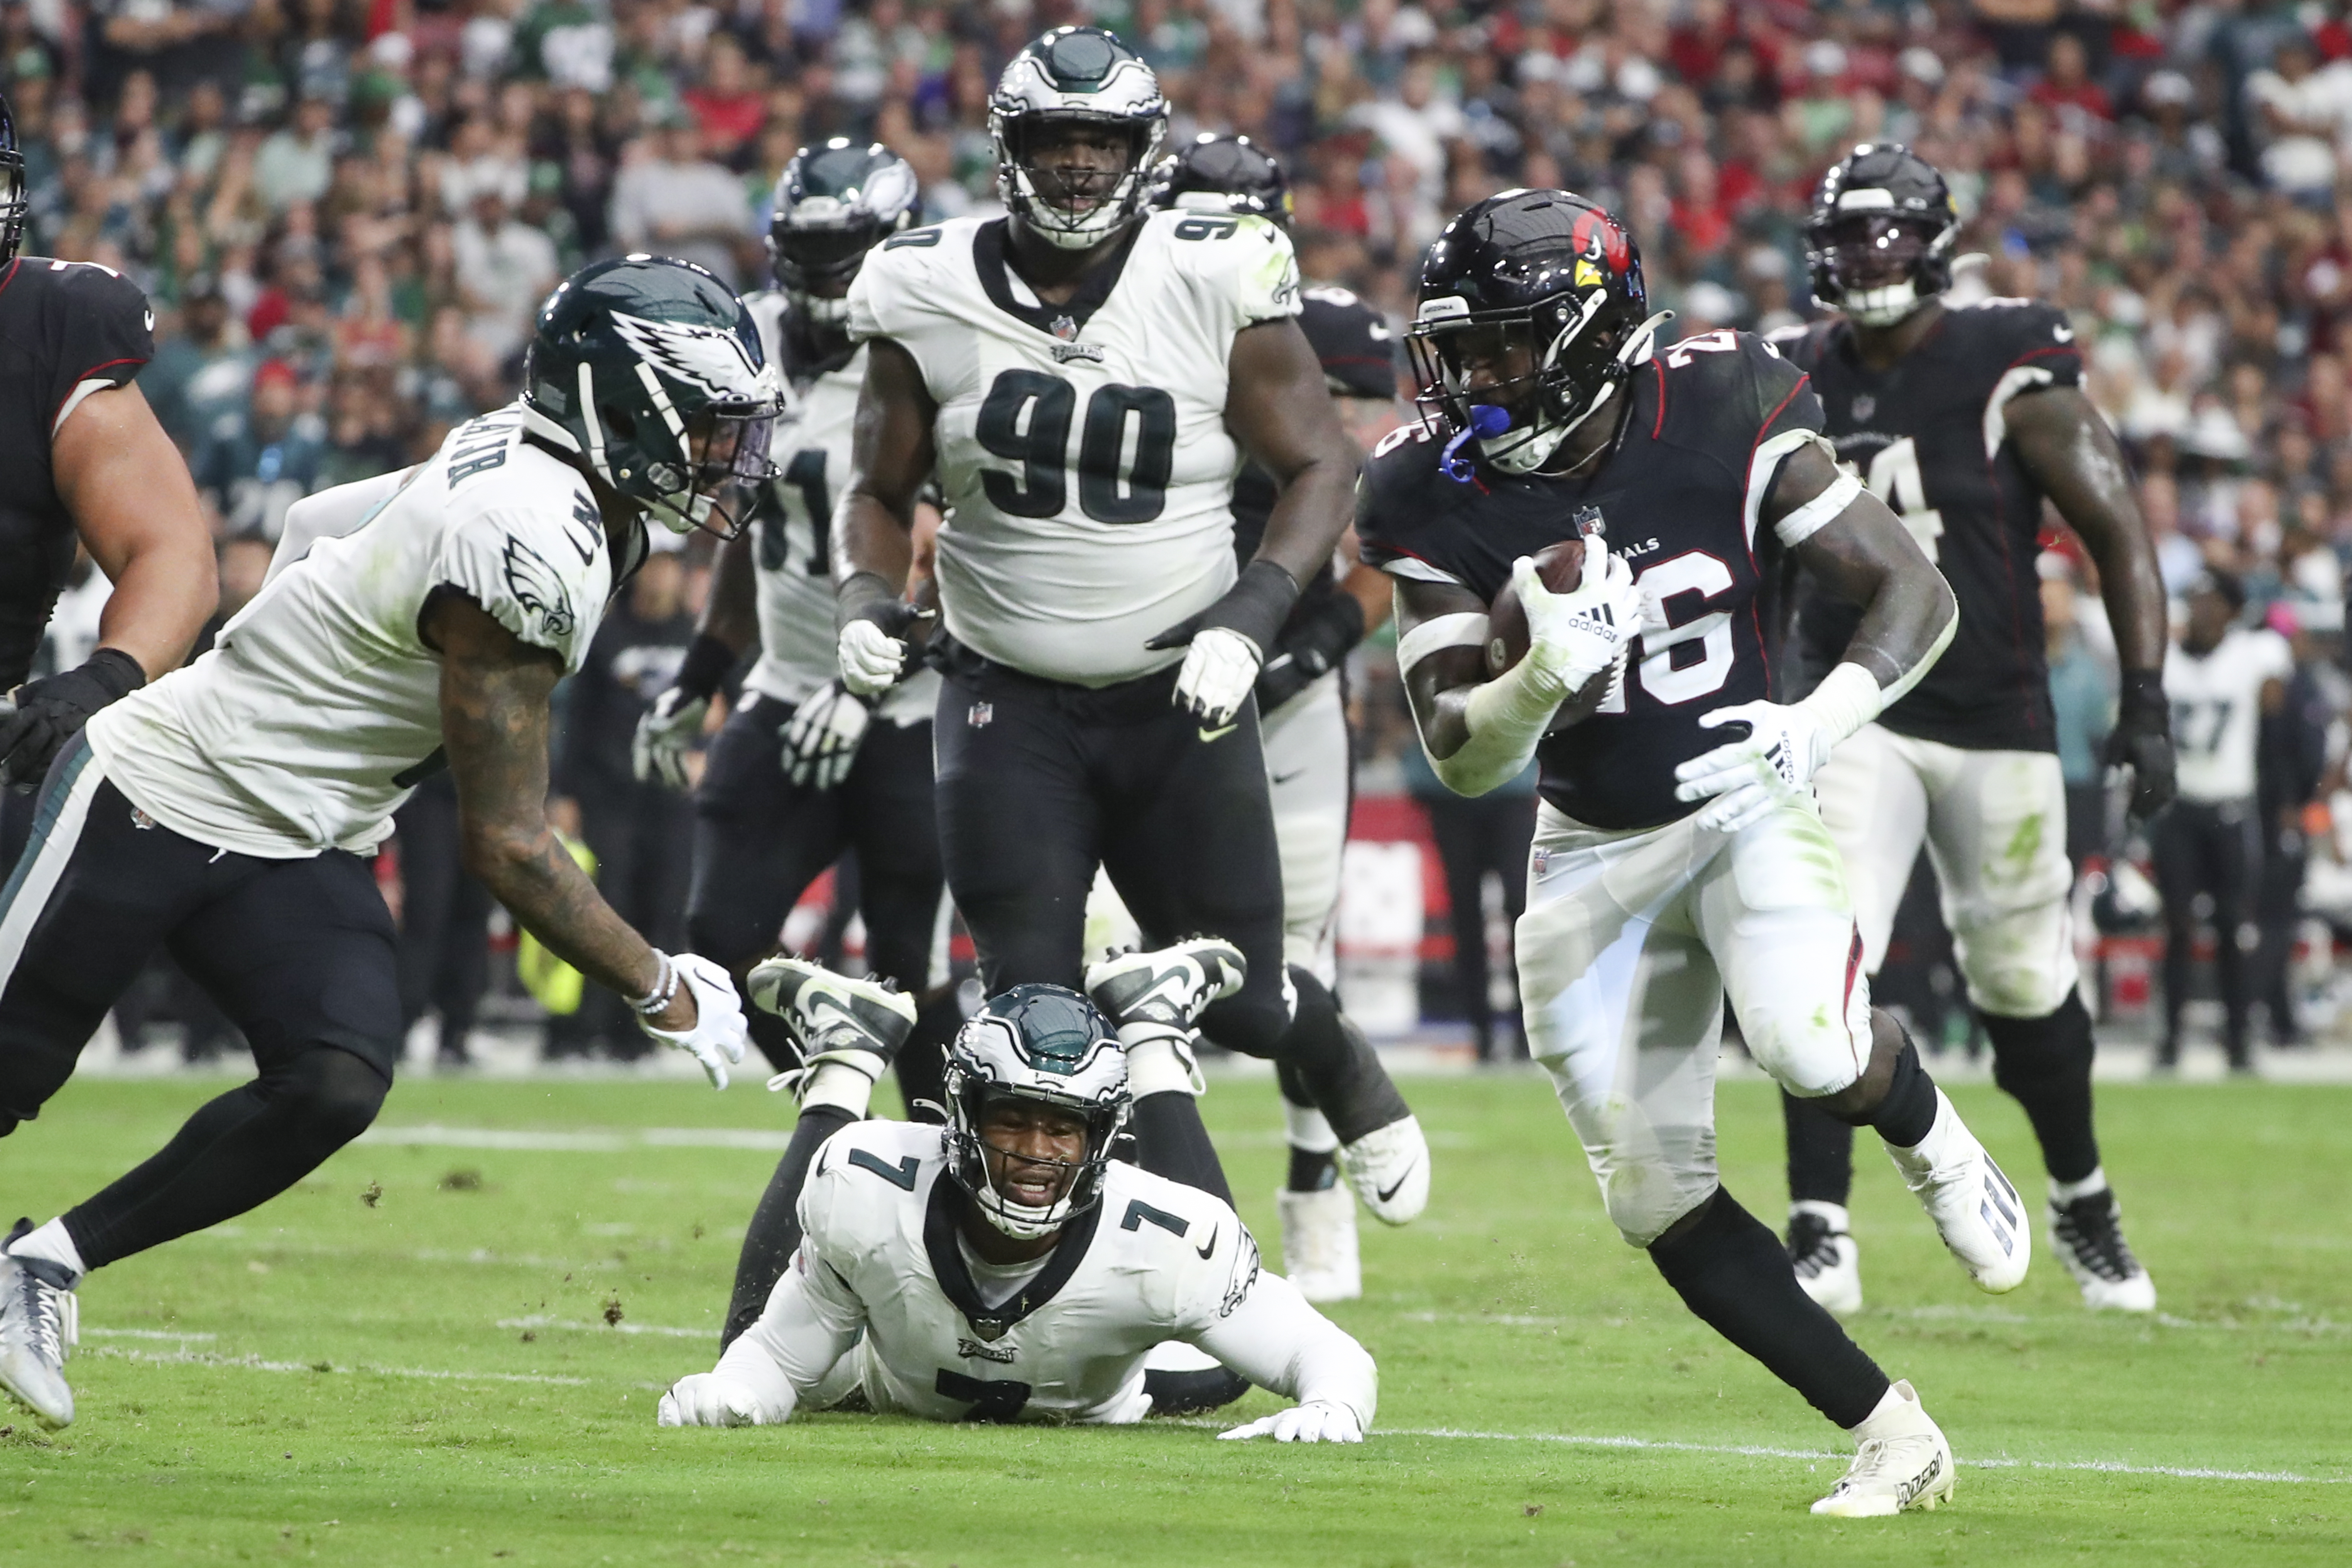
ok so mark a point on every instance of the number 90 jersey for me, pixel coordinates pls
(1709, 422)
(791, 529)
(1930, 438)
(1082, 449)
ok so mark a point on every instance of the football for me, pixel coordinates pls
(1562, 568)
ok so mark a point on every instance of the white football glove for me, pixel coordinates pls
(712, 1399)
(1748, 778)
(1220, 668)
(1580, 633)
(871, 660)
(1313, 1422)
(821, 742)
(666, 733)
(719, 1032)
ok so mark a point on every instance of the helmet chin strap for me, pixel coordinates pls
(1532, 451)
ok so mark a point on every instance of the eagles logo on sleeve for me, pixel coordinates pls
(537, 587)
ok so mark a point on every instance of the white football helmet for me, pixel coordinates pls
(1076, 73)
(1043, 1043)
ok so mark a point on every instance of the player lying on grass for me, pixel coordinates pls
(1005, 1268)
(225, 811)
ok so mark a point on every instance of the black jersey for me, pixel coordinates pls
(1356, 348)
(64, 327)
(1711, 420)
(1929, 437)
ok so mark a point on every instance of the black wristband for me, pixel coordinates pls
(2141, 704)
(1256, 605)
(857, 596)
(705, 663)
(116, 671)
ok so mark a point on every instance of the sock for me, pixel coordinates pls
(775, 1230)
(1907, 1114)
(1834, 1215)
(1170, 1141)
(1820, 1153)
(837, 1086)
(2064, 1193)
(1335, 1065)
(1313, 1149)
(1158, 1061)
(51, 1241)
(2044, 1064)
(1733, 1273)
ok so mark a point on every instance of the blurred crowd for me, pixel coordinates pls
(346, 210)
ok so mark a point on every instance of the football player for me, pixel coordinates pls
(85, 460)
(1086, 376)
(1964, 419)
(1677, 855)
(227, 809)
(1302, 712)
(1005, 1268)
(804, 769)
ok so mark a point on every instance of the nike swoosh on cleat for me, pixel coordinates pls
(1210, 736)
(1390, 1192)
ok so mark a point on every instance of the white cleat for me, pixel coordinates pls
(2088, 1235)
(1976, 1210)
(1319, 1244)
(1169, 987)
(1901, 1462)
(39, 1324)
(1389, 1168)
(857, 1023)
(1827, 1261)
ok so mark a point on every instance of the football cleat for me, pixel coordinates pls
(1902, 1462)
(1827, 1261)
(1319, 1244)
(1170, 987)
(857, 1023)
(1976, 1210)
(1389, 1168)
(2087, 1235)
(39, 1324)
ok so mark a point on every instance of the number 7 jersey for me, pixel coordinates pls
(1082, 449)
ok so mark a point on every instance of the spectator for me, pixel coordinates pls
(504, 269)
(2290, 765)
(258, 461)
(297, 162)
(2083, 695)
(670, 196)
(201, 372)
(1475, 837)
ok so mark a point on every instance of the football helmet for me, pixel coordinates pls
(1880, 237)
(1074, 74)
(1051, 1047)
(650, 370)
(1542, 279)
(1223, 173)
(833, 204)
(16, 202)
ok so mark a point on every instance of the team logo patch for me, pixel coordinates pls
(974, 1350)
(1066, 329)
(1864, 406)
(1540, 861)
(713, 360)
(1590, 523)
(1065, 353)
(538, 589)
(981, 716)
(140, 820)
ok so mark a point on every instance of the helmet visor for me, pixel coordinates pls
(821, 260)
(1463, 363)
(1077, 164)
(1873, 250)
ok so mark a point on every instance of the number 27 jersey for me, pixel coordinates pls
(1081, 447)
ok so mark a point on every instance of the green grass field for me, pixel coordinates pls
(429, 1376)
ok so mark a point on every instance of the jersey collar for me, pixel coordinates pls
(989, 1324)
(988, 255)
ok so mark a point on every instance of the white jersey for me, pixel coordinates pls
(791, 542)
(1082, 449)
(882, 1278)
(320, 707)
(2216, 709)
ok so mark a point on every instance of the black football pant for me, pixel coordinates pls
(2278, 910)
(2208, 848)
(299, 953)
(445, 919)
(1476, 836)
(642, 835)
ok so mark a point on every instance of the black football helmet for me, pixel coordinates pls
(1223, 173)
(1051, 1047)
(833, 204)
(1082, 74)
(15, 203)
(1879, 240)
(1545, 278)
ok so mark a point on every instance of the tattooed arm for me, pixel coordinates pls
(495, 691)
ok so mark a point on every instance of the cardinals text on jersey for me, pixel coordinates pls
(792, 528)
(1929, 436)
(319, 709)
(1710, 421)
(1082, 449)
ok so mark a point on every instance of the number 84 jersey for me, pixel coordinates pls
(1708, 423)
(1082, 449)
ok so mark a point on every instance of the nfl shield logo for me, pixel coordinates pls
(1539, 861)
(1864, 406)
(981, 713)
(1065, 328)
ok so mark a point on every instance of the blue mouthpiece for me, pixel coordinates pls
(1486, 419)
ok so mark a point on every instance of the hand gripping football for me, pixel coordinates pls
(1561, 567)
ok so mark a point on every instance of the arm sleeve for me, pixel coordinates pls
(1276, 1339)
(100, 333)
(810, 1322)
(530, 580)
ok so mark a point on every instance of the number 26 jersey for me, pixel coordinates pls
(1082, 450)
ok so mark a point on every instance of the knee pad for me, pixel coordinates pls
(1807, 1055)
(1645, 1197)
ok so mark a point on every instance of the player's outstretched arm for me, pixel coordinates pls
(804, 1329)
(2071, 454)
(890, 455)
(1278, 1341)
(1849, 540)
(495, 691)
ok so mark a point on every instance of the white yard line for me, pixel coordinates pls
(539, 1320)
(256, 1363)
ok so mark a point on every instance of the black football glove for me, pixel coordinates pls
(1311, 645)
(2142, 741)
(51, 711)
